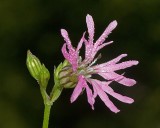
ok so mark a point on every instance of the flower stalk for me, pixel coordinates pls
(47, 110)
(62, 75)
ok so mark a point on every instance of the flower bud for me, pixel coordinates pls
(63, 78)
(37, 70)
(34, 65)
(67, 78)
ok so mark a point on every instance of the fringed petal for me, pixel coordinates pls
(90, 26)
(78, 89)
(80, 43)
(103, 45)
(105, 98)
(105, 34)
(115, 67)
(90, 97)
(64, 52)
(64, 33)
(119, 78)
(113, 61)
(121, 98)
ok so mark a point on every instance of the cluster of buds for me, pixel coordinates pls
(64, 77)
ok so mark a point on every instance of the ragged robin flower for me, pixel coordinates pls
(85, 69)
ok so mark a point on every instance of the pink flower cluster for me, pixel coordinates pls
(86, 68)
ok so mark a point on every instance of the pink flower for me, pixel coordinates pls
(86, 68)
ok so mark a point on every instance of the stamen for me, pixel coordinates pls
(94, 61)
(88, 76)
(82, 72)
(79, 59)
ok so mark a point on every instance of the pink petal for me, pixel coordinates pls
(90, 96)
(89, 51)
(103, 45)
(126, 81)
(119, 78)
(110, 91)
(94, 89)
(78, 89)
(72, 57)
(105, 98)
(114, 61)
(90, 26)
(80, 43)
(107, 31)
(64, 33)
(95, 92)
(64, 51)
(115, 67)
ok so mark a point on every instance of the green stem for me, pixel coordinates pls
(46, 115)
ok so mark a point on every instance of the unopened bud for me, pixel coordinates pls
(63, 78)
(67, 77)
(37, 70)
(34, 65)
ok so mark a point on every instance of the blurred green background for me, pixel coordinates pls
(36, 24)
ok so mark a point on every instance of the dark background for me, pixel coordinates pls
(36, 24)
